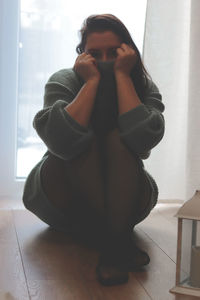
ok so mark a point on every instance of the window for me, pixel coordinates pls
(44, 38)
(48, 37)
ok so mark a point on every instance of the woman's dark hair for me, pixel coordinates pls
(108, 22)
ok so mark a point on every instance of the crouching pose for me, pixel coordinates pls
(100, 119)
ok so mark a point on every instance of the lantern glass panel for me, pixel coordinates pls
(190, 254)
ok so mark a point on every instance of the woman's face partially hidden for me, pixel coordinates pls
(102, 45)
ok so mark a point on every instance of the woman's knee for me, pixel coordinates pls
(80, 178)
(81, 160)
(54, 183)
(119, 154)
(115, 143)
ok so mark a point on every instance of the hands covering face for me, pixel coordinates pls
(86, 66)
(125, 58)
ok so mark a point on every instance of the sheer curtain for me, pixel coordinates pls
(172, 57)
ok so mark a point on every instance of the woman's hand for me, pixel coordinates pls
(85, 66)
(125, 60)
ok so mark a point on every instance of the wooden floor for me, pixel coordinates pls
(39, 263)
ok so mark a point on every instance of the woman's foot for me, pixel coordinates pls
(110, 271)
(135, 258)
(115, 263)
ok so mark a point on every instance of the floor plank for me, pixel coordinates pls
(50, 265)
(52, 258)
(162, 231)
(7, 203)
(158, 235)
(168, 211)
(7, 228)
(131, 290)
(48, 257)
(12, 279)
(160, 275)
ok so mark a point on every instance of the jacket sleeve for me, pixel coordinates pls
(142, 128)
(63, 135)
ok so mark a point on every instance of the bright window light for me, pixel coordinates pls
(48, 38)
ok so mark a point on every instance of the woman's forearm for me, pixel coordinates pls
(81, 107)
(127, 96)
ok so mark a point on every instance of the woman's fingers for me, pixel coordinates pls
(86, 59)
(126, 58)
(120, 51)
(83, 57)
(85, 66)
(126, 49)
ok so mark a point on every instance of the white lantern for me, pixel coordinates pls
(188, 248)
